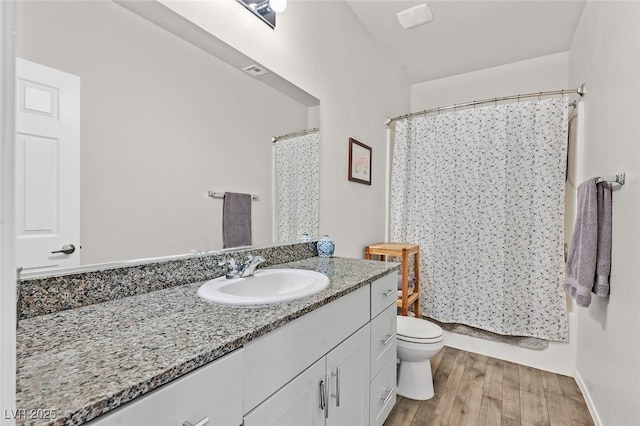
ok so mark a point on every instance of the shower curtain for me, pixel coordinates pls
(297, 167)
(482, 191)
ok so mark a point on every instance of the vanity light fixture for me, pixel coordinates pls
(278, 6)
(265, 9)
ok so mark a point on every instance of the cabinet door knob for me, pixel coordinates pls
(202, 422)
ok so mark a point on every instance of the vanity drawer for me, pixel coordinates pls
(384, 292)
(213, 391)
(383, 394)
(383, 339)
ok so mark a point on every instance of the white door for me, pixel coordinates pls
(47, 167)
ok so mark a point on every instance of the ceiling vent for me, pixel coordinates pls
(415, 16)
(254, 70)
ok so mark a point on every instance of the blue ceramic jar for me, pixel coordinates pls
(326, 246)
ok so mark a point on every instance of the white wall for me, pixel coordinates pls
(162, 122)
(604, 54)
(529, 76)
(321, 47)
(7, 269)
(533, 75)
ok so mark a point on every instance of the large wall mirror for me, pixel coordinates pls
(164, 120)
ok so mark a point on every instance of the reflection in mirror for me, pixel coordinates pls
(297, 168)
(163, 121)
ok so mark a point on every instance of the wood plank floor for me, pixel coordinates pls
(473, 389)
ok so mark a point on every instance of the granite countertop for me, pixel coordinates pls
(83, 362)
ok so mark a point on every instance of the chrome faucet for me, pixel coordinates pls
(249, 266)
(247, 269)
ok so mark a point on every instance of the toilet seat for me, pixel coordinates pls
(418, 330)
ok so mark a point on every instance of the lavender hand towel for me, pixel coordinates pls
(236, 220)
(581, 264)
(603, 257)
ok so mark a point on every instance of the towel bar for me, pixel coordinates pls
(619, 178)
(218, 194)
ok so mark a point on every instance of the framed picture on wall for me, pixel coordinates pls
(359, 162)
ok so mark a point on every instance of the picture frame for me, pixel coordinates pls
(359, 162)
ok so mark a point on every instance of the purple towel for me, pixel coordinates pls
(603, 258)
(236, 220)
(591, 244)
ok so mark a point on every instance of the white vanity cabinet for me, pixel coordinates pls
(212, 392)
(333, 366)
(333, 391)
(334, 341)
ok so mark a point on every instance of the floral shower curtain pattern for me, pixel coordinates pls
(482, 191)
(297, 167)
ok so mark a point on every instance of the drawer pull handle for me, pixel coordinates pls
(202, 422)
(387, 340)
(389, 395)
(322, 395)
(325, 398)
(389, 292)
(337, 394)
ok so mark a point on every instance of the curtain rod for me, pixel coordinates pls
(275, 139)
(580, 91)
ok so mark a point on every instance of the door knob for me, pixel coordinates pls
(66, 249)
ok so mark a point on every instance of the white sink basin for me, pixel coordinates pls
(265, 286)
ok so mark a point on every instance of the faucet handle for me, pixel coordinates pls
(223, 259)
(256, 260)
(228, 261)
(249, 259)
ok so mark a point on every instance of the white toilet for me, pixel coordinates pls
(418, 341)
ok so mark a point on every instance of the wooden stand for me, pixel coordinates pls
(403, 251)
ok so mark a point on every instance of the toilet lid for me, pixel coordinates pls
(418, 330)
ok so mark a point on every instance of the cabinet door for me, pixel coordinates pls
(272, 360)
(297, 403)
(348, 372)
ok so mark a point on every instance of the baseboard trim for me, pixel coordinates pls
(587, 398)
